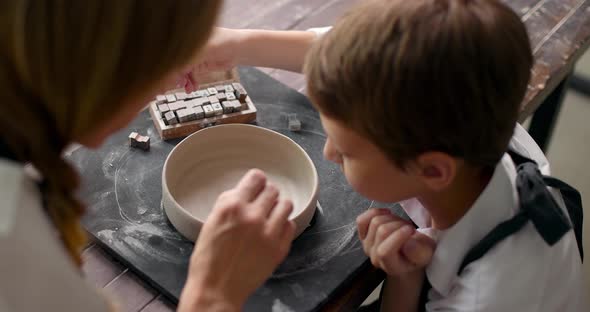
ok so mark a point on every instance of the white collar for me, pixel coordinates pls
(498, 202)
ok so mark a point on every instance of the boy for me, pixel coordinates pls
(419, 100)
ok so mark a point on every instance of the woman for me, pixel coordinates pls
(77, 71)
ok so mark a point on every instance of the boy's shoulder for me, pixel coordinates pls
(521, 271)
(522, 143)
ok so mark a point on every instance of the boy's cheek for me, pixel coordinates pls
(357, 180)
(374, 186)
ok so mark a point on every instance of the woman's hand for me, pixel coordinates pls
(392, 243)
(246, 236)
(222, 52)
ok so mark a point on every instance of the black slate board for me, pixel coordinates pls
(122, 188)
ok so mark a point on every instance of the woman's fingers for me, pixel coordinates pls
(190, 84)
(288, 234)
(266, 200)
(279, 217)
(251, 185)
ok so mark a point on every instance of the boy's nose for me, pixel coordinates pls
(330, 153)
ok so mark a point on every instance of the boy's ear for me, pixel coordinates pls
(436, 170)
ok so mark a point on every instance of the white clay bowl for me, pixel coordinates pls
(213, 160)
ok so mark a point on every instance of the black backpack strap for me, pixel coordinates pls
(536, 204)
(498, 234)
(571, 198)
(573, 204)
(519, 159)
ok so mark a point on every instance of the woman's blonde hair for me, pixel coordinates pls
(66, 66)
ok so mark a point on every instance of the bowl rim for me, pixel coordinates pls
(185, 213)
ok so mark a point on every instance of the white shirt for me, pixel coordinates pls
(36, 274)
(521, 273)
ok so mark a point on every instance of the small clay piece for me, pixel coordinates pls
(217, 109)
(139, 141)
(182, 115)
(208, 111)
(227, 107)
(207, 124)
(229, 89)
(230, 96)
(177, 105)
(241, 93)
(160, 99)
(190, 103)
(200, 101)
(170, 98)
(190, 96)
(133, 138)
(294, 123)
(163, 108)
(213, 99)
(180, 96)
(192, 114)
(237, 106)
(237, 85)
(199, 112)
(170, 118)
(212, 91)
(220, 88)
(186, 115)
(221, 96)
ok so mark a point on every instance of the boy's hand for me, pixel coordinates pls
(244, 239)
(392, 243)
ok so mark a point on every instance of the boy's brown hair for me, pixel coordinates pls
(425, 75)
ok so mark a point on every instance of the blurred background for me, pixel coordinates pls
(569, 148)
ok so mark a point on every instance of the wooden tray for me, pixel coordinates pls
(179, 130)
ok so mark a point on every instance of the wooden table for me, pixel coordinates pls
(559, 31)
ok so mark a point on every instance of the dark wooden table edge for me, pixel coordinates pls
(362, 285)
(127, 265)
